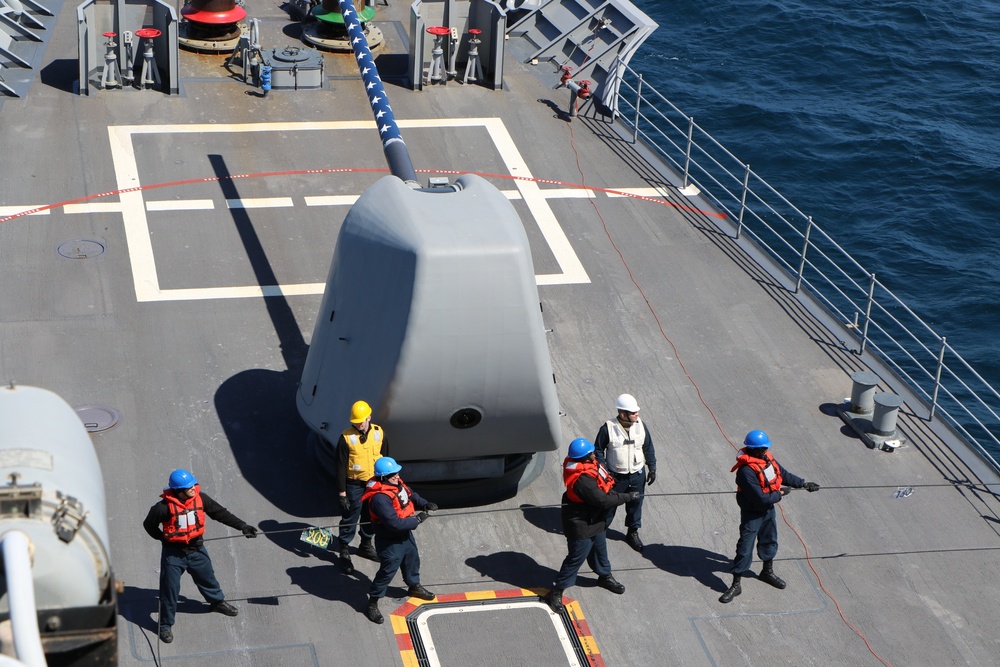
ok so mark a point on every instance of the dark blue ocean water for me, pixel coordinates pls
(879, 119)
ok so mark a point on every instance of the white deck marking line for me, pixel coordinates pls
(332, 200)
(140, 245)
(14, 210)
(260, 202)
(566, 193)
(285, 202)
(180, 205)
(642, 192)
(94, 207)
(572, 268)
(428, 641)
(137, 227)
(244, 292)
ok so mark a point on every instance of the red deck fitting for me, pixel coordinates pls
(200, 16)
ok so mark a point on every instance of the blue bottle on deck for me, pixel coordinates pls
(265, 77)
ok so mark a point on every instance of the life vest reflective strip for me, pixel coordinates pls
(361, 456)
(400, 496)
(768, 472)
(187, 517)
(624, 453)
(574, 470)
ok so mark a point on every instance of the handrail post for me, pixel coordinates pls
(618, 78)
(802, 262)
(687, 152)
(743, 201)
(937, 377)
(638, 101)
(868, 312)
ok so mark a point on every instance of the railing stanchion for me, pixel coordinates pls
(638, 101)
(619, 79)
(743, 201)
(802, 261)
(868, 312)
(836, 279)
(937, 377)
(687, 151)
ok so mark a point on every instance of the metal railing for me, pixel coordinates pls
(876, 319)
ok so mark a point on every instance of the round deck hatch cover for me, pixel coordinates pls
(292, 54)
(80, 249)
(97, 418)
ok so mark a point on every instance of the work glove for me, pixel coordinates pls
(345, 503)
(249, 531)
(651, 476)
(634, 495)
(785, 490)
(431, 507)
(422, 517)
(811, 486)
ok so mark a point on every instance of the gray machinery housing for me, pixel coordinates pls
(431, 315)
(52, 490)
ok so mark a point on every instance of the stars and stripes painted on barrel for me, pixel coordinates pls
(384, 118)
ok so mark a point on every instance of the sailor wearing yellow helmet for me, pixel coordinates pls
(360, 445)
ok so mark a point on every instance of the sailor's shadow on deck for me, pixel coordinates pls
(324, 578)
(546, 518)
(140, 606)
(684, 561)
(288, 536)
(257, 407)
(514, 568)
(328, 582)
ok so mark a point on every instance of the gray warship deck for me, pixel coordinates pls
(168, 326)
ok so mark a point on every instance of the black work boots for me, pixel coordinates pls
(554, 600)
(768, 576)
(345, 558)
(367, 549)
(610, 583)
(418, 591)
(733, 591)
(372, 612)
(632, 539)
(224, 608)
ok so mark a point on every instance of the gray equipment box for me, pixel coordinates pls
(295, 67)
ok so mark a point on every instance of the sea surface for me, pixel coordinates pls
(881, 120)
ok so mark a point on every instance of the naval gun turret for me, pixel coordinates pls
(431, 315)
(58, 605)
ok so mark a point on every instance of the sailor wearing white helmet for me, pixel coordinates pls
(624, 446)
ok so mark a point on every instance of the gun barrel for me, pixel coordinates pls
(396, 153)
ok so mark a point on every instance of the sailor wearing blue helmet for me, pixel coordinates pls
(585, 504)
(760, 484)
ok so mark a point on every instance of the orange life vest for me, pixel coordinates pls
(187, 517)
(768, 472)
(573, 470)
(400, 496)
